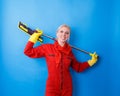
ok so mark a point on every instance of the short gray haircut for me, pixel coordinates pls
(63, 25)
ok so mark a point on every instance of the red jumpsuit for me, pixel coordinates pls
(59, 60)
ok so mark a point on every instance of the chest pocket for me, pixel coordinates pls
(51, 57)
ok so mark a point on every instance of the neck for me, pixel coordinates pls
(61, 43)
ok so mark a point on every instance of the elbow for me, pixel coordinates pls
(25, 52)
(28, 49)
(29, 53)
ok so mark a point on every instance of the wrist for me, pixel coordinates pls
(90, 62)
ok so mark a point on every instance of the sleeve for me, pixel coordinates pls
(78, 66)
(35, 52)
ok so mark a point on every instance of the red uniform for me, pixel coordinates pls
(59, 60)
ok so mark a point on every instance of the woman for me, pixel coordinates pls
(59, 58)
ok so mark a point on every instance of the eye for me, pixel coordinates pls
(61, 31)
(67, 33)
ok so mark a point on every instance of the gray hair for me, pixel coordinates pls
(63, 25)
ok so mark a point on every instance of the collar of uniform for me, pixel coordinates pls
(65, 49)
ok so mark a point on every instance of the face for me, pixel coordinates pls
(63, 34)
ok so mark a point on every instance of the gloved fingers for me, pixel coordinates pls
(36, 34)
(39, 31)
(93, 55)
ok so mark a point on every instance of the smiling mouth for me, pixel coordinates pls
(63, 38)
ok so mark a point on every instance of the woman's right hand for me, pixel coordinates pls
(35, 36)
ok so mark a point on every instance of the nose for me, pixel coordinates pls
(64, 33)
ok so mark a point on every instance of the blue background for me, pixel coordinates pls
(95, 26)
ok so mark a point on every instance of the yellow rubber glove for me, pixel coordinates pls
(35, 36)
(94, 59)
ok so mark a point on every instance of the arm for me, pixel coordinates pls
(79, 67)
(37, 51)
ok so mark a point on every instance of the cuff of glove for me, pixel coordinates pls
(91, 62)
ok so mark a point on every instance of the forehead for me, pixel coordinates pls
(64, 28)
